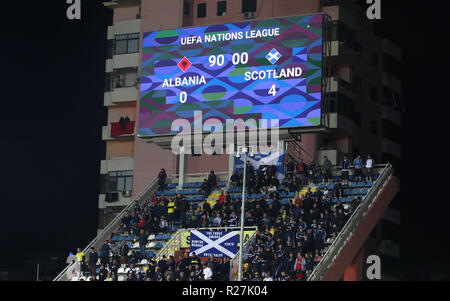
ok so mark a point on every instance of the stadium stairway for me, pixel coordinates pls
(344, 257)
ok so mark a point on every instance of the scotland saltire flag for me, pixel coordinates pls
(217, 243)
(273, 56)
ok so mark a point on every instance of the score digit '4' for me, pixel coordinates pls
(273, 90)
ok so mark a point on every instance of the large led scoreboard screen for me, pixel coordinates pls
(267, 69)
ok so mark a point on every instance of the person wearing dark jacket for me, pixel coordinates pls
(319, 237)
(235, 179)
(212, 180)
(345, 166)
(143, 238)
(162, 179)
(104, 258)
(92, 261)
(326, 168)
(102, 274)
(124, 253)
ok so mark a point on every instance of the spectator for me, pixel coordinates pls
(124, 249)
(235, 179)
(105, 249)
(358, 164)
(92, 261)
(267, 277)
(212, 180)
(162, 179)
(171, 211)
(345, 166)
(302, 169)
(290, 167)
(207, 272)
(143, 238)
(299, 266)
(163, 225)
(108, 277)
(103, 273)
(311, 171)
(326, 168)
(369, 168)
(205, 188)
(80, 261)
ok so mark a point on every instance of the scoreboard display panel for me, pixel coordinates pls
(265, 69)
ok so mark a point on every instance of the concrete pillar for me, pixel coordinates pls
(282, 149)
(182, 168)
(230, 165)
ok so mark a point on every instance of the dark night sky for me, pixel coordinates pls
(52, 98)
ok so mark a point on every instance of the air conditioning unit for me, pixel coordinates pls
(249, 15)
(126, 193)
(224, 14)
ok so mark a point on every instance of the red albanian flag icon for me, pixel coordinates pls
(184, 64)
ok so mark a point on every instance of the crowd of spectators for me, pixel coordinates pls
(289, 242)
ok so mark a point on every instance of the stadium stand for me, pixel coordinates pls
(297, 220)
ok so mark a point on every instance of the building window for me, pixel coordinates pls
(125, 77)
(221, 8)
(120, 181)
(374, 128)
(357, 84)
(201, 10)
(374, 59)
(391, 131)
(126, 43)
(374, 94)
(248, 6)
(186, 8)
(108, 81)
(334, 30)
(356, 117)
(109, 49)
(392, 65)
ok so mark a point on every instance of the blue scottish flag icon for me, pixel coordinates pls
(273, 56)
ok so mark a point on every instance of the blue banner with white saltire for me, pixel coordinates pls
(272, 158)
(217, 243)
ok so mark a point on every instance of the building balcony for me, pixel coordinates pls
(334, 155)
(393, 148)
(116, 164)
(115, 132)
(123, 27)
(391, 114)
(119, 95)
(112, 4)
(390, 80)
(122, 200)
(339, 85)
(337, 121)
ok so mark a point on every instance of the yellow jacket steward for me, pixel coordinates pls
(171, 207)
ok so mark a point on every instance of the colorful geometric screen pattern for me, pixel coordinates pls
(267, 69)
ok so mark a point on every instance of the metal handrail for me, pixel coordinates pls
(101, 237)
(245, 249)
(197, 174)
(174, 243)
(350, 226)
